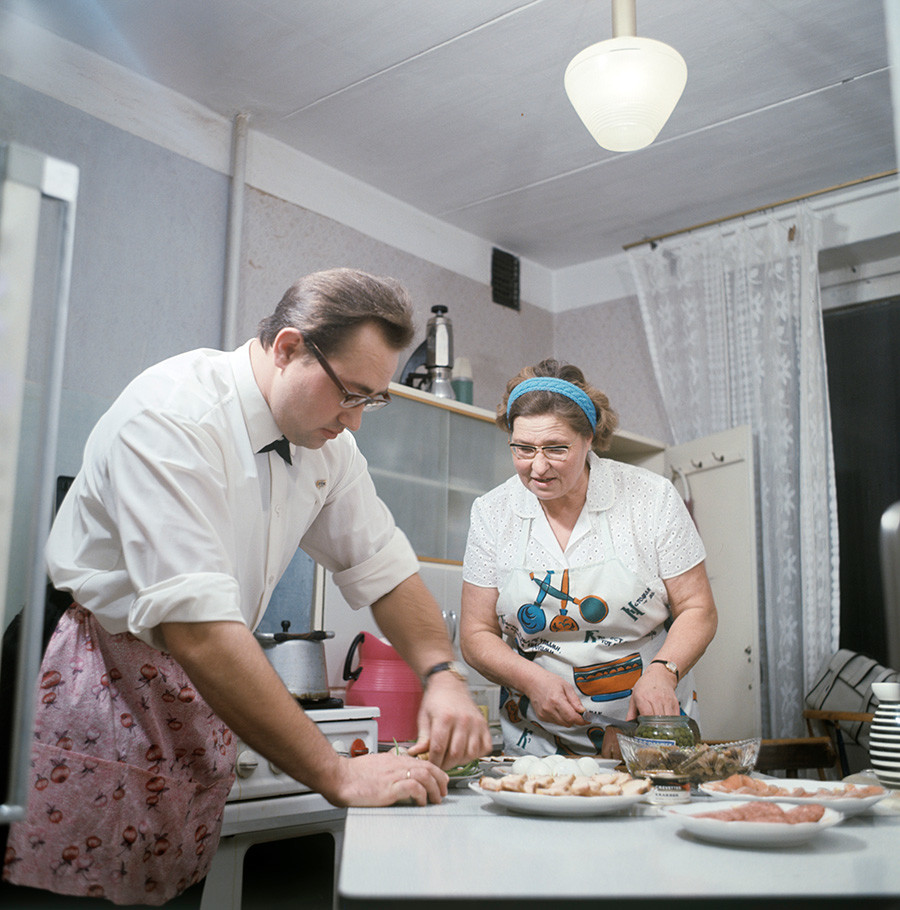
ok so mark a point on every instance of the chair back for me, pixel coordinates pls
(791, 756)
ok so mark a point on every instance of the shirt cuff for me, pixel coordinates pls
(363, 584)
(199, 597)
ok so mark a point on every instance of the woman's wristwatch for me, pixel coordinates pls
(671, 666)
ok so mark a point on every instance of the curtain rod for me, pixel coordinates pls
(761, 208)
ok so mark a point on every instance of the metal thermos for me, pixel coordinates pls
(439, 353)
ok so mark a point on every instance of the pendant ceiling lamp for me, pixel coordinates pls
(624, 89)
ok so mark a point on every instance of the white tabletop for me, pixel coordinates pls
(469, 850)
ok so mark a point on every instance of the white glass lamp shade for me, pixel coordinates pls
(624, 90)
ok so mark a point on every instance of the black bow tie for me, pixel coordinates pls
(281, 446)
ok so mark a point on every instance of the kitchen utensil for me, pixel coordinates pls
(299, 659)
(439, 353)
(301, 636)
(597, 717)
(384, 680)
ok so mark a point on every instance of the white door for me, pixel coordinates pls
(720, 480)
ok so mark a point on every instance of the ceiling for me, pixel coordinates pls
(457, 107)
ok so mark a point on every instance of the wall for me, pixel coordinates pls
(441, 263)
(146, 282)
(607, 341)
(148, 259)
(283, 241)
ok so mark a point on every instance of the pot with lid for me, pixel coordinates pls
(299, 659)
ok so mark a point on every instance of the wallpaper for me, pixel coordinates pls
(283, 241)
(608, 342)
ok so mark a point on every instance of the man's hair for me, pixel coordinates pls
(325, 307)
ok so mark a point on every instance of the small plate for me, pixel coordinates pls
(540, 804)
(607, 764)
(846, 805)
(748, 834)
(464, 780)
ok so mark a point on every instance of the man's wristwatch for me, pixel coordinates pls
(670, 665)
(454, 666)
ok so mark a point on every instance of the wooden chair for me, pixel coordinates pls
(791, 756)
(830, 722)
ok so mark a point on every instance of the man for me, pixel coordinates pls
(175, 532)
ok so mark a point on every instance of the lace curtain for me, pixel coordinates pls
(733, 320)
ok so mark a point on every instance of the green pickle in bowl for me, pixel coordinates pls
(669, 730)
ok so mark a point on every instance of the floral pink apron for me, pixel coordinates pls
(597, 627)
(130, 771)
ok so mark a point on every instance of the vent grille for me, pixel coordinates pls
(505, 279)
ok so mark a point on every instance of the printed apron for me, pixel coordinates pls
(130, 771)
(597, 627)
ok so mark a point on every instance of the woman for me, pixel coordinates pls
(584, 588)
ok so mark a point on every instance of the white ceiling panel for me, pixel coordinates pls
(458, 108)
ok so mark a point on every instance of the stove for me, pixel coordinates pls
(352, 731)
(265, 804)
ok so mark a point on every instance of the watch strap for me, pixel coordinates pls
(670, 665)
(450, 665)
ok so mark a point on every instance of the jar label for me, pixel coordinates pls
(654, 742)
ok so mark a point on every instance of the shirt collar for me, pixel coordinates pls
(261, 426)
(600, 492)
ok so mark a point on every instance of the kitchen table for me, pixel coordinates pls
(467, 852)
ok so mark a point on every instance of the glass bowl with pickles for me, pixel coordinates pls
(670, 748)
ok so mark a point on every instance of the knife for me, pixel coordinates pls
(596, 717)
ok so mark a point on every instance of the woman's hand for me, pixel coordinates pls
(654, 693)
(552, 699)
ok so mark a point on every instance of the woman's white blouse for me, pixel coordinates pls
(174, 517)
(652, 532)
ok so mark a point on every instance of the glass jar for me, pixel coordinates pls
(669, 788)
(664, 730)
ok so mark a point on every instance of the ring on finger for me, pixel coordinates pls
(408, 774)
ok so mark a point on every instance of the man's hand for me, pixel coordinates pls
(385, 778)
(452, 729)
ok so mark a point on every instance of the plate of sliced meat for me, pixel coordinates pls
(843, 797)
(743, 823)
(567, 795)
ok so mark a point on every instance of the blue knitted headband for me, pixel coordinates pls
(561, 387)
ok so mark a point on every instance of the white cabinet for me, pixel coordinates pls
(716, 475)
(430, 458)
(720, 478)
